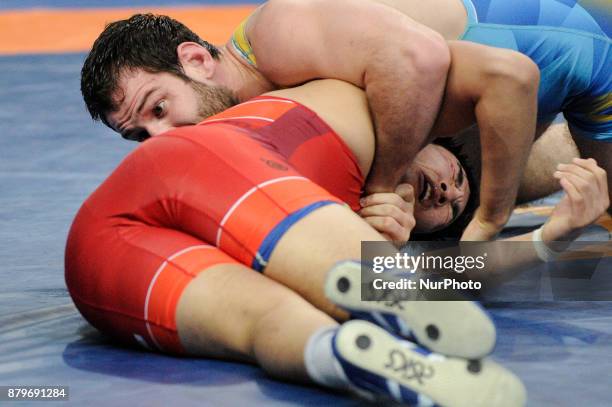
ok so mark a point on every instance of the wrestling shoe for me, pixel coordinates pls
(454, 328)
(379, 365)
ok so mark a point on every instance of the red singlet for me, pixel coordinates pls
(223, 191)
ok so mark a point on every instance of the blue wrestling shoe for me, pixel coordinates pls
(454, 328)
(379, 365)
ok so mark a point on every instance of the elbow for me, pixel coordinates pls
(435, 53)
(526, 76)
(429, 56)
(517, 73)
(494, 217)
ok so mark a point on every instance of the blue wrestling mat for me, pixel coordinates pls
(52, 156)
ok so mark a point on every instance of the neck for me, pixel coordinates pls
(241, 77)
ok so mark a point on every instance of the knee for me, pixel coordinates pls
(277, 315)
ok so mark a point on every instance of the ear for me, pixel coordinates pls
(196, 61)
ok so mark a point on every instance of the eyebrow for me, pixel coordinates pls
(459, 180)
(145, 98)
(455, 209)
(129, 135)
(460, 176)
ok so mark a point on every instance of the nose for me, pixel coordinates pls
(447, 192)
(158, 127)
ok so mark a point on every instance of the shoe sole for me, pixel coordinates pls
(453, 328)
(446, 381)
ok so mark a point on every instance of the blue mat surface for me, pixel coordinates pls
(52, 156)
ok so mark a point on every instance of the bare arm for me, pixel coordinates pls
(498, 88)
(401, 64)
(584, 202)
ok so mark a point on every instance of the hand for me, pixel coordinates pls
(391, 213)
(481, 230)
(585, 200)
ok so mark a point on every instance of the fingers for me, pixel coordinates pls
(577, 190)
(579, 184)
(600, 174)
(389, 210)
(391, 214)
(583, 179)
(389, 198)
(572, 192)
(587, 163)
(402, 198)
(396, 218)
(588, 171)
(586, 187)
(389, 228)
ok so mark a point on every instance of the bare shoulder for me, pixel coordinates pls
(279, 16)
(333, 88)
(284, 41)
(329, 97)
(298, 40)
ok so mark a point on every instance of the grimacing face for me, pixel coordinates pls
(441, 188)
(153, 103)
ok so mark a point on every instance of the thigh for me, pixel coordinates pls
(232, 312)
(306, 252)
(553, 146)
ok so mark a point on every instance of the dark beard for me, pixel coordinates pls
(213, 99)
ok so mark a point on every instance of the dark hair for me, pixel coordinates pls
(472, 170)
(143, 41)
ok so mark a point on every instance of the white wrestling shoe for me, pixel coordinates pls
(454, 328)
(380, 365)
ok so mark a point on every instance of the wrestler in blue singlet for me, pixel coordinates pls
(570, 42)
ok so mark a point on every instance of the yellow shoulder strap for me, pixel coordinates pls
(241, 43)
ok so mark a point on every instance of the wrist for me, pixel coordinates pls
(553, 233)
(542, 247)
(546, 234)
(491, 221)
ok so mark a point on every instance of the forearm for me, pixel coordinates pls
(506, 115)
(508, 258)
(404, 104)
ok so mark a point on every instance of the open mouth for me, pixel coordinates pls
(426, 188)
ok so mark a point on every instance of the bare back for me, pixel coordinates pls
(344, 108)
(447, 17)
